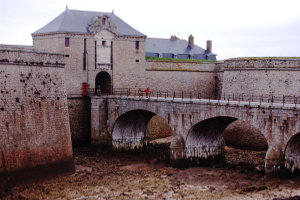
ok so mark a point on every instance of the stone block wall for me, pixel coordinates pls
(35, 129)
(80, 120)
(128, 62)
(76, 70)
(261, 76)
(182, 76)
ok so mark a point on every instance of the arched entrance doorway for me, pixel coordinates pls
(103, 80)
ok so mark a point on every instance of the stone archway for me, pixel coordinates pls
(292, 155)
(103, 79)
(129, 130)
(204, 140)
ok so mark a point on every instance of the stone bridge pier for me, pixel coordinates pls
(120, 124)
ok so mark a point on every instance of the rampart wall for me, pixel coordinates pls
(35, 129)
(183, 76)
(261, 76)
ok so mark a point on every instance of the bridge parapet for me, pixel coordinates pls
(184, 95)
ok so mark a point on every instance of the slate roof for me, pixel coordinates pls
(76, 21)
(155, 45)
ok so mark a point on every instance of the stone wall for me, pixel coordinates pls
(128, 63)
(35, 129)
(76, 70)
(262, 76)
(80, 120)
(182, 76)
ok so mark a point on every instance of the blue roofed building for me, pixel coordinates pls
(178, 48)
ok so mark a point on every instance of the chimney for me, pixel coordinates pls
(174, 37)
(191, 41)
(209, 46)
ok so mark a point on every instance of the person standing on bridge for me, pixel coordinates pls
(147, 91)
(98, 90)
(139, 92)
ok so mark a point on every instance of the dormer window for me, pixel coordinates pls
(137, 45)
(103, 21)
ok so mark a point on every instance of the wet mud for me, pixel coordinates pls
(147, 175)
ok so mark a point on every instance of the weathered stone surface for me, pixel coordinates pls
(244, 136)
(80, 120)
(205, 120)
(35, 129)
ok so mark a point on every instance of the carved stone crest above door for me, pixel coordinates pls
(101, 22)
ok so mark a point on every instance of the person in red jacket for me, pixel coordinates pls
(147, 91)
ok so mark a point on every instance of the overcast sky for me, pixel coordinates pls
(237, 28)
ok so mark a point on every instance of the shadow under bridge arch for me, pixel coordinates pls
(129, 130)
(204, 141)
(292, 156)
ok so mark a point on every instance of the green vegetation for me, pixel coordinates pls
(177, 59)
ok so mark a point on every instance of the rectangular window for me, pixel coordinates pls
(67, 42)
(84, 88)
(103, 21)
(137, 45)
(103, 43)
(84, 54)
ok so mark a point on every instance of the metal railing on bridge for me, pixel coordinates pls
(263, 98)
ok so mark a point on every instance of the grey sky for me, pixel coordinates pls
(237, 28)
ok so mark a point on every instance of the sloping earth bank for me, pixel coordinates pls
(146, 175)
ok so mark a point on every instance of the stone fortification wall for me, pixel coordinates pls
(80, 120)
(261, 76)
(34, 126)
(182, 76)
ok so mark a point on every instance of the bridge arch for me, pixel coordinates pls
(129, 131)
(204, 140)
(187, 116)
(292, 155)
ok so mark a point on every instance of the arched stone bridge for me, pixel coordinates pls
(197, 125)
